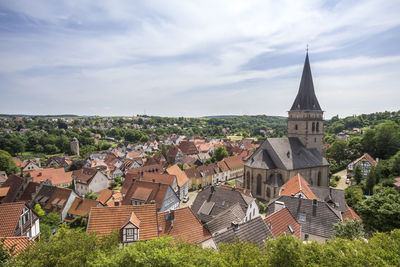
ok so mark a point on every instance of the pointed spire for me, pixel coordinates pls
(306, 99)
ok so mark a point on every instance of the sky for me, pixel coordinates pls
(197, 58)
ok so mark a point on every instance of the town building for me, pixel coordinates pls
(365, 162)
(89, 180)
(279, 159)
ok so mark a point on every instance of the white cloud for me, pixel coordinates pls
(155, 55)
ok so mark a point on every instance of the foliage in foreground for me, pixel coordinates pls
(70, 247)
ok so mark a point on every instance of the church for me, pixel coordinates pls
(279, 159)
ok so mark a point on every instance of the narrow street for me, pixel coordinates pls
(342, 183)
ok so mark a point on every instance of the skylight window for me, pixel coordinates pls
(290, 228)
(302, 217)
(223, 202)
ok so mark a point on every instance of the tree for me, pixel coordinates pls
(350, 229)
(337, 151)
(358, 173)
(38, 210)
(7, 163)
(381, 212)
(220, 153)
(91, 195)
(354, 196)
(371, 180)
(387, 139)
(395, 164)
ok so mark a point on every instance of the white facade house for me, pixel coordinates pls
(89, 180)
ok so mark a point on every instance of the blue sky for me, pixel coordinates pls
(196, 58)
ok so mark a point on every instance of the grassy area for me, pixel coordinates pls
(230, 183)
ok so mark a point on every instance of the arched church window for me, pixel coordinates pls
(295, 127)
(248, 180)
(268, 192)
(313, 126)
(319, 179)
(259, 184)
(317, 126)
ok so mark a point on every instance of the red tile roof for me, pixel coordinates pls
(350, 214)
(158, 178)
(15, 184)
(29, 191)
(185, 227)
(4, 191)
(85, 174)
(295, 185)
(10, 214)
(105, 220)
(366, 157)
(234, 162)
(56, 176)
(104, 196)
(188, 148)
(140, 190)
(58, 199)
(82, 206)
(279, 221)
(180, 175)
(18, 243)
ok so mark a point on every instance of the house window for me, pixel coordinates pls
(313, 126)
(259, 184)
(131, 234)
(296, 127)
(302, 218)
(319, 179)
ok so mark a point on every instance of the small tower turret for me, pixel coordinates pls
(75, 146)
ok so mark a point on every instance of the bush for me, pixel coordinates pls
(337, 178)
(332, 183)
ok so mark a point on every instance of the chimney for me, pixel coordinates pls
(233, 188)
(154, 180)
(278, 205)
(292, 195)
(315, 202)
(159, 185)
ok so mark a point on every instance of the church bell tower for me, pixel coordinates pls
(306, 117)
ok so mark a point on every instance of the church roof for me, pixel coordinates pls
(306, 99)
(286, 154)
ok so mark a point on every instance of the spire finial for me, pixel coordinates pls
(307, 49)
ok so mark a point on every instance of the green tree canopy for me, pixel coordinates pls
(381, 212)
(350, 229)
(7, 163)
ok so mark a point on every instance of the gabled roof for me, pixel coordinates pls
(18, 243)
(286, 154)
(180, 175)
(319, 218)
(185, 227)
(139, 190)
(56, 176)
(255, 231)
(222, 199)
(58, 199)
(158, 178)
(27, 195)
(297, 184)
(15, 184)
(82, 206)
(44, 193)
(282, 222)
(105, 220)
(351, 215)
(306, 98)
(332, 196)
(133, 219)
(188, 148)
(366, 157)
(104, 196)
(224, 219)
(234, 162)
(193, 173)
(10, 214)
(85, 174)
(206, 170)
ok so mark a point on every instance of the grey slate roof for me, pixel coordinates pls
(222, 199)
(285, 153)
(224, 219)
(44, 193)
(319, 219)
(331, 196)
(306, 99)
(254, 230)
